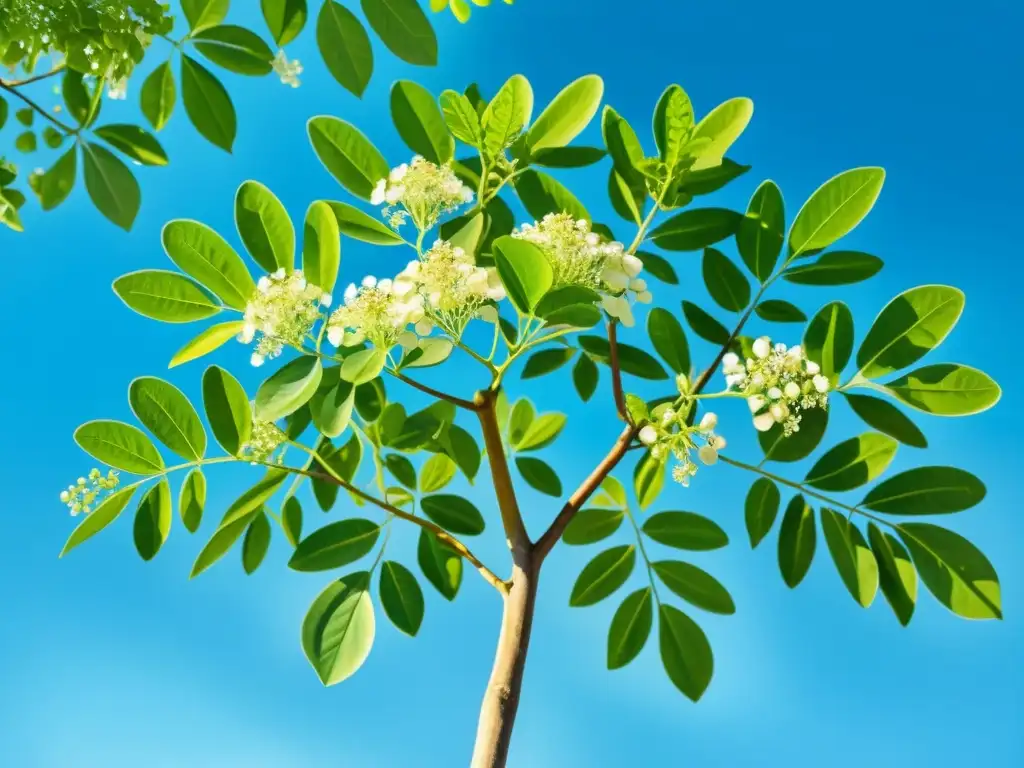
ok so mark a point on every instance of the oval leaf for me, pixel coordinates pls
(926, 491)
(947, 389)
(835, 208)
(335, 545)
(344, 46)
(887, 418)
(288, 389)
(453, 513)
(401, 597)
(726, 284)
(853, 559)
(264, 226)
(852, 463)
(119, 445)
(207, 104)
(685, 652)
(338, 629)
(567, 114)
(165, 411)
(153, 520)
(107, 512)
(111, 185)
(603, 575)
(404, 29)
(203, 254)
(347, 155)
(590, 525)
(761, 509)
(797, 540)
(695, 585)
(685, 530)
(630, 628)
(896, 574)
(227, 409)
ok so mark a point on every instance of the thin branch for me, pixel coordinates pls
(15, 92)
(461, 549)
(35, 78)
(511, 519)
(613, 346)
(469, 405)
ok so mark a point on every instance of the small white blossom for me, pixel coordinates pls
(670, 434)
(648, 435)
(118, 89)
(288, 71)
(422, 191)
(374, 312)
(82, 496)
(283, 309)
(263, 441)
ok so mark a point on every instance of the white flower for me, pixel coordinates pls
(792, 390)
(288, 71)
(618, 307)
(708, 454)
(821, 384)
(812, 367)
(763, 422)
(648, 435)
(283, 309)
(118, 89)
(709, 421)
(762, 347)
(256, 359)
(420, 190)
(377, 196)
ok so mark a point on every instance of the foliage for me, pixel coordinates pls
(490, 295)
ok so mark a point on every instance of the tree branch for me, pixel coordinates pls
(613, 362)
(35, 78)
(12, 89)
(511, 519)
(457, 546)
(467, 404)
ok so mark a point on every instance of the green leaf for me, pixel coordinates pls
(567, 114)
(338, 630)
(441, 566)
(428, 352)
(192, 499)
(658, 267)
(565, 296)
(685, 652)
(779, 311)
(26, 142)
(453, 513)
(52, 137)
(708, 180)
(289, 388)
(896, 574)
(363, 366)
(590, 525)
(135, 142)
(158, 95)
(153, 520)
(685, 530)
(852, 463)
(632, 360)
(853, 559)
(264, 226)
(402, 469)
(954, 570)
(520, 419)
(542, 431)
(103, 515)
(208, 104)
(799, 445)
(404, 29)
(344, 461)
(112, 187)
(506, 115)
(797, 539)
(542, 194)
(420, 123)
(835, 208)
(887, 418)
(828, 340)
(119, 445)
(926, 491)
(436, 473)
(947, 389)
(696, 586)
(205, 255)
(344, 46)
(166, 412)
(762, 231)
(761, 509)
(25, 116)
(673, 124)
(291, 520)
(603, 575)
(704, 325)
(359, 226)
(524, 271)
(546, 361)
(256, 543)
(401, 597)
(836, 268)
(235, 48)
(630, 628)
(201, 14)
(725, 282)
(909, 326)
(227, 409)
(78, 98)
(696, 229)
(461, 119)
(332, 403)
(648, 480)
(539, 475)
(568, 157)
(335, 545)
(207, 341)
(669, 340)
(347, 155)
(722, 125)
(285, 19)
(584, 377)
(321, 246)
(56, 184)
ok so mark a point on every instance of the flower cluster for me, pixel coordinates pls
(449, 286)
(287, 70)
(669, 434)
(581, 257)
(375, 312)
(421, 190)
(83, 495)
(263, 441)
(779, 383)
(283, 310)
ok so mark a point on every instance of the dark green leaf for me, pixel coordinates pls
(256, 543)
(112, 187)
(836, 268)
(56, 184)
(658, 267)
(546, 361)
(265, 227)
(590, 525)
(685, 652)
(762, 231)
(153, 520)
(853, 559)
(779, 311)
(344, 46)
(695, 585)
(404, 29)
(896, 574)
(685, 530)
(539, 475)
(669, 340)
(725, 282)
(708, 180)
(77, 97)
(761, 509)
(420, 123)
(285, 19)
(235, 48)
(704, 325)
(799, 445)
(603, 575)
(630, 628)
(291, 520)
(887, 418)
(926, 491)
(158, 95)
(542, 194)
(797, 540)
(454, 513)
(568, 157)
(852, 463)
(524, 271)
(584, 377)
(828, 340)
(402, 469)
(208, 104)
(648, 480)
(696, 229)
(441, 566)
(335, 545)
(192, 500)
(401, 597)
(632, 360)
(201, 14)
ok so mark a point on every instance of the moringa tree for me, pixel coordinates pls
(96, 45)
(482, 294)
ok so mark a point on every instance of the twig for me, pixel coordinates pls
(10, 88)
(511, 519)
(613, 361)
(35, 78)
(469, 405)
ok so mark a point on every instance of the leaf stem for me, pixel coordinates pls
(460, 402)
(643, 554)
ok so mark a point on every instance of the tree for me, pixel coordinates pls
(96, 45)
(492, 294)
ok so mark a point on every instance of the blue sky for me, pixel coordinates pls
(109, 661)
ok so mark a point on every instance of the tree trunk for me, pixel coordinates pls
(501, 699)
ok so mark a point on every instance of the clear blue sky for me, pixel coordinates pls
(108, 661)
